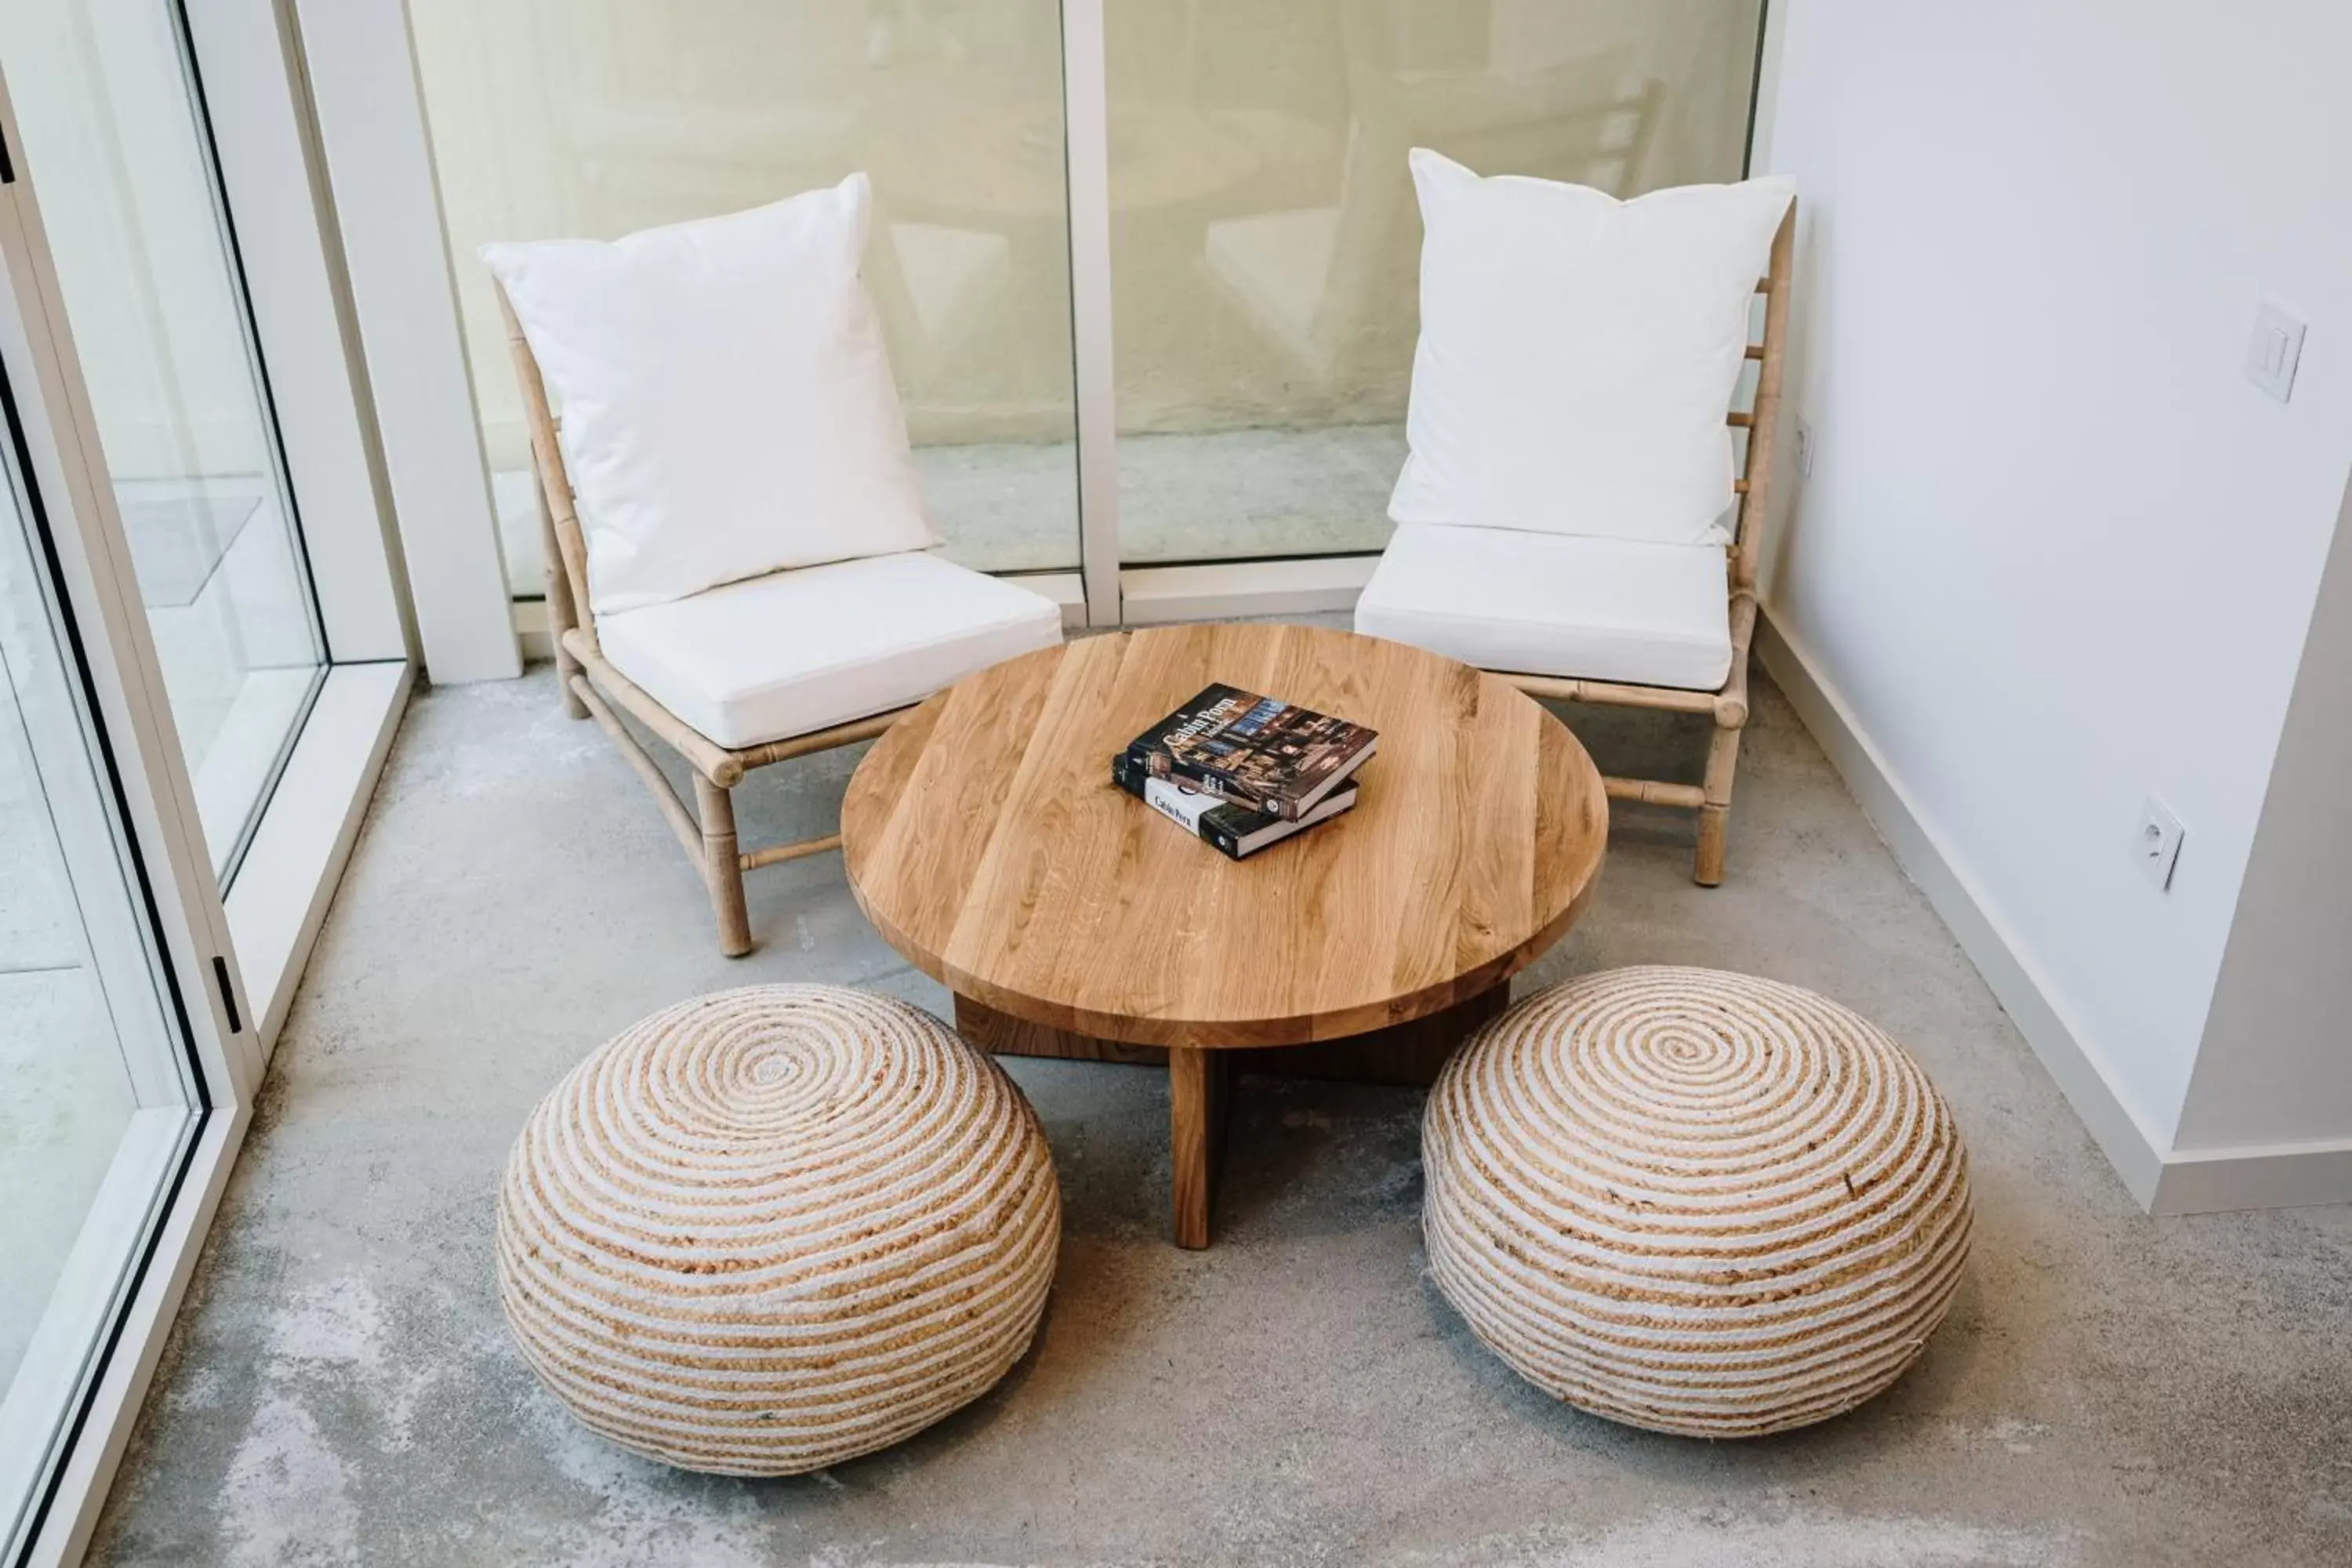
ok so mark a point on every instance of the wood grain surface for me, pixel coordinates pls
(986, 840)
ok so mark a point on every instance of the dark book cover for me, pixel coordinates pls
(1234, 831)
(1255, 751)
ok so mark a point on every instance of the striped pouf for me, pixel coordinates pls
(1695, 1202)
(763, 1232)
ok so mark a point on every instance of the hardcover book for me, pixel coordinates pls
(1269, 756)
(1235, 830)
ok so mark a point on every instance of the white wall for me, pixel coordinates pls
(2055, 554)
(2276, 1065)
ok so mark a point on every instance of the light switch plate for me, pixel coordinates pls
(2272, 352)
(2156, 842)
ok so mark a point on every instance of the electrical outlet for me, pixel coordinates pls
(1804, 447)
(2272, 352)
(2156, 842)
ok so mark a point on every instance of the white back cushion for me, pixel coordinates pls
(1578, 353)
(728, 409)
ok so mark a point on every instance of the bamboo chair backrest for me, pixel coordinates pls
(1762, 419)
(567, 570)
(568, 573)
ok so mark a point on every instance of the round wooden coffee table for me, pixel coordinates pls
(986, 840)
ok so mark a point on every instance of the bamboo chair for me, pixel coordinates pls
(1726, 705)
(593, 689)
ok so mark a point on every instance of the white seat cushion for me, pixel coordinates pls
(796, 651)
(1549, 604)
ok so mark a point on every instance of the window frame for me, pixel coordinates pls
(229, 961)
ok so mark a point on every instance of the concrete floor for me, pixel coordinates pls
(2109, 1389)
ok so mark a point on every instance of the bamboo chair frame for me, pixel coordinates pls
(592, 687)
(1728, 704)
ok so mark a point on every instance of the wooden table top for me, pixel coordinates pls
(986, 840)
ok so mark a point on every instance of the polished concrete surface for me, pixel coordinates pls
(2110, 1389)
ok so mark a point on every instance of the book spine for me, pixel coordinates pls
(1205, 780)
(1194, 814)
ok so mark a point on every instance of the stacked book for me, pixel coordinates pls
(1243, 771)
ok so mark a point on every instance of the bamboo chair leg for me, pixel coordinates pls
(1714, 815)
(723, 867)
(560, 617)
(566, 667)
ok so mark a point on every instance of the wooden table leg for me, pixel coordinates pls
(1198, 1083)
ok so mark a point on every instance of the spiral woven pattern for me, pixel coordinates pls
(763, 1232)
(1695, 1202)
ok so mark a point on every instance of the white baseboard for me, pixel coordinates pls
(2254, 1176)
(2164, 1180)
(1314, 584)
(2138, 1155)
(281, 892)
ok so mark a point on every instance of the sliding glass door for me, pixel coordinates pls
(595, 118)
(1266, 242)
(1183, 227)
(170, 719)
(101, 1091)
(112, 118)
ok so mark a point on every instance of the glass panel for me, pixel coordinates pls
(596, 118)
(110, 124)
(1265, 241)
(97, 1107)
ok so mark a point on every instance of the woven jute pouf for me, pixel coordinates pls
(763, 1232)
(1695, 1202)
